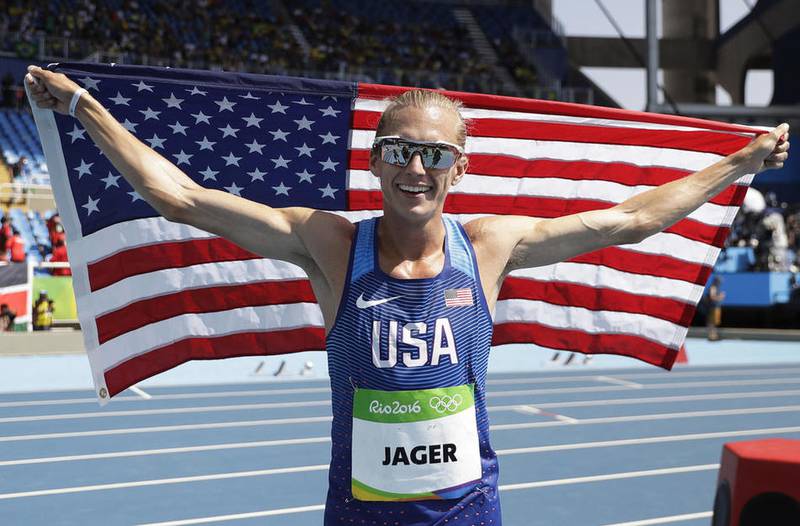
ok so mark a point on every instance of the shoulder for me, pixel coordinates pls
(496, 232)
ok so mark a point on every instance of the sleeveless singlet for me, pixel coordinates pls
(407, 360)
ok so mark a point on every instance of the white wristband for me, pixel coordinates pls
(74, 102)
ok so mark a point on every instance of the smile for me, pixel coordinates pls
(414, 189)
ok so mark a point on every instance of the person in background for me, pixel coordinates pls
(713, 301)
(7, 318)
(43, 312)
(60, 256)
(16, 247)
(5, 235)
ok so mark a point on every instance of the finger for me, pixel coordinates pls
(775, 157)
(781, 132)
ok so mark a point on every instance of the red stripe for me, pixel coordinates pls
(498, 102)
(647, 264)
(546, 207)
(686, 140)
(164, 358)
(627, 174)
(596, 298)
(208, 299)
(572, 340)
(160, 256)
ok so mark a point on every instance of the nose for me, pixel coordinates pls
(414, 165)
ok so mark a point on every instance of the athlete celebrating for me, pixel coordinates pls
(406, 297)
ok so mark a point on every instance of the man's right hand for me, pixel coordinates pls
(49, 90)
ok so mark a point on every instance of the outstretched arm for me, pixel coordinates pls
(524, 242)
(270, 232)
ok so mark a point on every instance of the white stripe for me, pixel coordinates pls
(167, 281)
(238, 516)
(593, 322)
(210, 324)
(159, 482)
(666, 520)
(139, 392)
(478, 113)
(552, 187)
(643, 156)
(599, 276)
(618, 381)
(610, 476)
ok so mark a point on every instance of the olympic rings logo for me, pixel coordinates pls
(446, 403)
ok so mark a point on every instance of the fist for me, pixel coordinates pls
(49, 90)
(768, 151)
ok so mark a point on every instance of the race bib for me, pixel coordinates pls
(415, 445)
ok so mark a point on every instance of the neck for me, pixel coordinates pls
(411, 241)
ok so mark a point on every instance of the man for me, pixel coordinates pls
(43, 312)
(7, 316)
(713, 300)
(406, 298)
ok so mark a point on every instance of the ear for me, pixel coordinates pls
(373, 162)
(461, 169)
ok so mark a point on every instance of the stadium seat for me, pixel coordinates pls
(759, 484)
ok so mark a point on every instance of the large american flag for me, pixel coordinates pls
(153, 294)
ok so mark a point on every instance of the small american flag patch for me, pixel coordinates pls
(457, 297)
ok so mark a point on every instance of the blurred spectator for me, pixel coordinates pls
(16, 247)
(56, 229)
(60, 255)
(712, 303)
(19, 168)
(7, 317)
(5, 235)
(43, 312)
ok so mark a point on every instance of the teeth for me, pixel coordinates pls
(409, 188)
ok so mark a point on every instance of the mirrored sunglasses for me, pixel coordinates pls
(398, 151)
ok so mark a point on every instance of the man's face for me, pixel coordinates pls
(412, 191)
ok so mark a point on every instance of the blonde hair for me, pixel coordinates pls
(423, 98)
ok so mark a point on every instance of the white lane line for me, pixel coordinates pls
(158, 482)
(237, 516)
(649, 417)
(618, 381)
(174, 410)
(140, 392)
(498, 381)
(666, 520)
(160, 429)
(531, 410)
(647, 440)
(609, 476)
(166, 451)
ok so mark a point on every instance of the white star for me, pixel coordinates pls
(141, 85)
(91, 206)
(304, 150)
(156, 141)
(182, 157)
(232, 159)
(111, 180)
(304, 176)
(208, 173)
(178, 128)
(89, 83)
(282, 189)
(135, 196)
(254, 147)
(130, 126)
(196, 91)
(256, 174)
(329, 138)
(83, 169)
(302, 102)
(200, 116)
(304, 124)
(173, 101)
(252, 120)
(76, 133)
(227, 131)
(279, 135)
(235, 190)
(205, 144)
(328, 165)
(149, 114)
(330, 112)
(225, 104)
(328, 191)
(280, 162)
(278, 107)
(120, 100)
(249, 96)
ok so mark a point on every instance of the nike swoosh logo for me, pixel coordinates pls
(361, 303)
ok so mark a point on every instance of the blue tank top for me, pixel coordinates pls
(375, 304)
